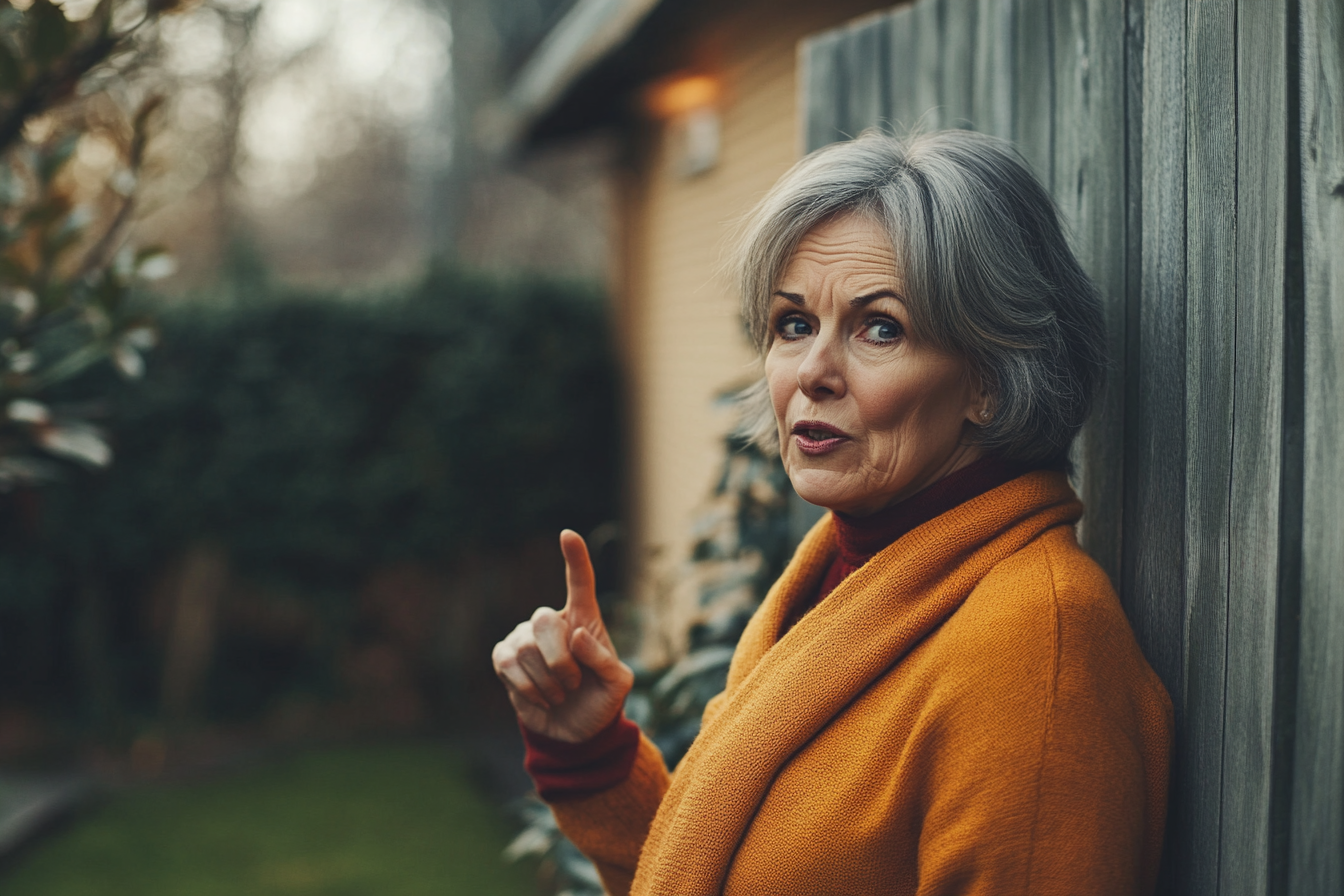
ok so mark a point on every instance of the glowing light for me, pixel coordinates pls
(678, 96)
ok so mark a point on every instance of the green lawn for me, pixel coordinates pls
(388, 820)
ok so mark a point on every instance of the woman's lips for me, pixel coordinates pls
(814, 437)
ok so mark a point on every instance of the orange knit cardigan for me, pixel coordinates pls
(968, 713)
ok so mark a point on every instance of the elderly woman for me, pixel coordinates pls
(941, 694)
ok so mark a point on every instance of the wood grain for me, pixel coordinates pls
(1155, 420)
(823, 88)
(992, 90)
(1211, 304)
(1152, 559)
(926, 75)
(902, 58)
(1256, 446)
(958, 62)
(1316, 856)
(864, 55)
(1033, 87)
(1090, 185)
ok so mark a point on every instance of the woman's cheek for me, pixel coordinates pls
(777, 379)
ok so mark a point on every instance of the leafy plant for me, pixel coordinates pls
(65, 281)
(742, 543)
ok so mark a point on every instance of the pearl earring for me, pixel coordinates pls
(985, 415)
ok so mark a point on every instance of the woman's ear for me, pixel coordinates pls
(980, 409)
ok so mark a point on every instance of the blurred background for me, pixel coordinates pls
(318, 320)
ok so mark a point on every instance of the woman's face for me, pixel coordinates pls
(868, 413)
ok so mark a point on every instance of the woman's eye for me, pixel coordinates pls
(794, 327)
(882, 330)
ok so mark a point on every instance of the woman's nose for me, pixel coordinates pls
(821, 372)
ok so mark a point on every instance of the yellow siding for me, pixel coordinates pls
(679, 322)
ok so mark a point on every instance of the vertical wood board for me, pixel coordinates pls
(863, 50)
(1153, 551)
(1155, 427)
(1133, 277)
(1089, 166)
(992, 90)
(902, 36)
(823, 89)
(1256, 446)
(958, 58)
(1211, 276)
(1316, 858)
(926, 75)
(1033, 87)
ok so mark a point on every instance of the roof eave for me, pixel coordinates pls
(587, 34)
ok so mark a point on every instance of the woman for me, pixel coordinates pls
(941, 694)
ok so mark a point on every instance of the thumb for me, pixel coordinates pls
(604, 662)
(581, 608)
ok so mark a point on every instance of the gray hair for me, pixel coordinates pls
(986, 272)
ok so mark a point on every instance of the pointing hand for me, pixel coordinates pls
(560, 669)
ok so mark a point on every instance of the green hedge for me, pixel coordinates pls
(315, 439)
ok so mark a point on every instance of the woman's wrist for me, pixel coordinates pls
(563, 770)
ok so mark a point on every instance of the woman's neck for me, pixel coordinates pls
(860, 537)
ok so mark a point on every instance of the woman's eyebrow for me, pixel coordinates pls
(860, 301)
(791, 296)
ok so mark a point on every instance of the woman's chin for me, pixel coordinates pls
(820, 487)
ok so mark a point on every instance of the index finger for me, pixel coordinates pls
(581, 602)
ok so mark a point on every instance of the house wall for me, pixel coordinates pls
(678, 318)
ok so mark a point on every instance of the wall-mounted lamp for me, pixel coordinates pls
(689, 106)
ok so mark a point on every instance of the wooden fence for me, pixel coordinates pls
(1196, 150)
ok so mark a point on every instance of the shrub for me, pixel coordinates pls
(310, 441)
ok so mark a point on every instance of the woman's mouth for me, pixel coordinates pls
(814, 437)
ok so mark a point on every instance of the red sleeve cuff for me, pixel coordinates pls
(566, 771)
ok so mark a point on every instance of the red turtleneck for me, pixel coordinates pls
(859, 538)
(567, 771)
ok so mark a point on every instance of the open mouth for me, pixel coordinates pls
(813, 436)
(817, 430)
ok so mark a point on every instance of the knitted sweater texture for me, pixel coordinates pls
(967, 713)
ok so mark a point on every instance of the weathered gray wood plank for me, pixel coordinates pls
(1256, 446)
(992, 91)
(1152, 559)
(926, 75)
(902, 58)
(1316, 859)
(1033, 88)
(1211, 247)
(864, 51)
(822, 80)
(1155, 442)
(959, 62)
(1089, 166)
